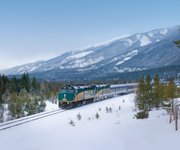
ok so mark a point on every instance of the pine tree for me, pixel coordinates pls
(97, 116)
(171, 88)
(79, 116)
(148, 93)
(13, 87)
(157, 92)
(15, 106)
(25, 82)
(34, 85)
(17, 103)
(72, 123)
(31, 108)
(4, 83)
(140, 94)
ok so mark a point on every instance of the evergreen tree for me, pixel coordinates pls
(148, 93)
(13, 87)
(17, 104)
(25, 82)
(4, 83)
(14, 105)
(97, 116)
(157, 96)
(147, 96)
(34, 85)
(171, 89)
(79, 116)
(140, 94)
(31, 107)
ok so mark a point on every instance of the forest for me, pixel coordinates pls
(24, 96)
(152, 92)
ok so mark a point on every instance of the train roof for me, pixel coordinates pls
(77, 87)
(91, 86)
(82, 87)
(102, 85)
(123, 85)
(99, 86)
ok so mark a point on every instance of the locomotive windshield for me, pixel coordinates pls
(67, 90)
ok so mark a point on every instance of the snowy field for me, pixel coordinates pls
(116, 130)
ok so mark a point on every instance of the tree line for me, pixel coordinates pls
(177, 43)
(24, 95)
(151, 93)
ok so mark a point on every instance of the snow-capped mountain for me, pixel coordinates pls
(141, 51)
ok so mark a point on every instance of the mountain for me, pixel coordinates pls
(141, 51)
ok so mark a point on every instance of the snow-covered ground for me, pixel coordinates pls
(51, 106)
(116, 130)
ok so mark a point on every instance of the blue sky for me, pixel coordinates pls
(33, 30)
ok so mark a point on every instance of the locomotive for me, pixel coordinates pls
(73, 96)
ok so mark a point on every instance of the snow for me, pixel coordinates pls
(78, 60)
(129, 41)
(82, 54)
(138, 36)
(155, 32)
(150, 34)
(144, 40)
(75, 56)
(86, 62)
(81, 63)
(128, 56)
(20, 69)
(33, 68)
(106, 43)
(51, 106)
(117, 130)
(125, 59)
(6, 113)
(164, 31)
(128, 69)
(29, 67)
(133, 51)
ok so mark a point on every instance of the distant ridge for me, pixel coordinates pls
(138, 52)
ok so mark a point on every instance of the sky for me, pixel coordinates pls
(32, 30)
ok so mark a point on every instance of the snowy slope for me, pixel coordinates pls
(116, 130)
(124, 54)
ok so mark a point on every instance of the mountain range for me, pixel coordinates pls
(138, 52)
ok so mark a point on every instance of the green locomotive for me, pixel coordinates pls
(73, 96)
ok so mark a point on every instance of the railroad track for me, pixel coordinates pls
(20, 121)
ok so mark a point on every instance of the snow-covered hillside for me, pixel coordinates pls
(125, 54)
(115, 130)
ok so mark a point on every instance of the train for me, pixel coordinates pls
(73, 96)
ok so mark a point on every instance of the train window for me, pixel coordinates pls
(70, 91)
(67, 90)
